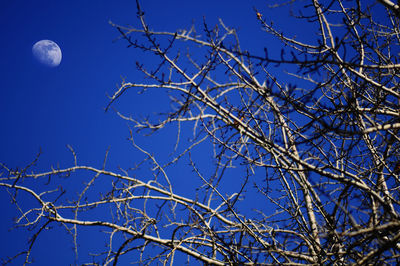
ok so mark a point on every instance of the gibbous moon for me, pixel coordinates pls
(47, 52)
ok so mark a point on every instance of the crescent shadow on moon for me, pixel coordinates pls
(47, 52)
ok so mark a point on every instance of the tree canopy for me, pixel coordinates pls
(307, 137)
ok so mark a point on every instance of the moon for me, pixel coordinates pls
(47, 52)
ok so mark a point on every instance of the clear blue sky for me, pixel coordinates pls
(48, 108)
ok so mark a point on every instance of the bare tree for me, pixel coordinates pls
(319, 122)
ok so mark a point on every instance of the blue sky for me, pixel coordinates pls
(50, 107)
(45, 109)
